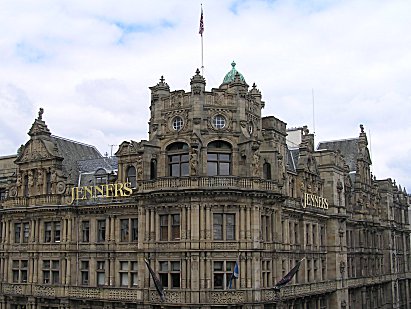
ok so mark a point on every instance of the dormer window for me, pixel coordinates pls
(100, 177)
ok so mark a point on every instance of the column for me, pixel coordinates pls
(208, 228)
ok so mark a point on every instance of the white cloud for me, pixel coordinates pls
(90, 63)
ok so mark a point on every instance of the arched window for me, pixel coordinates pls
(131, 176)
(100, 177)
(267, 170)
(219, 158)
(153, 169)
(178, 159)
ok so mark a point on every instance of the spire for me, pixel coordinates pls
(39, 127)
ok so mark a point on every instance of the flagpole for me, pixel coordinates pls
(201, 33)
(202, 57)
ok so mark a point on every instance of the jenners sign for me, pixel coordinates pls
(312, 200)
(101, 191)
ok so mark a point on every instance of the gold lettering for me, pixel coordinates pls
(127, 187)
(325, 204)
(88, 190)
(99, 189)
(118, 189)
(109, 189)
(72, 196)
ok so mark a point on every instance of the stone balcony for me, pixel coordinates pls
(164, 184)
(177, 296)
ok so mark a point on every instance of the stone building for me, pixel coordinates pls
(214, 185)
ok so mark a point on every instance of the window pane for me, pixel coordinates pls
(175, 280)
(163, 266)
(224, 157)
(184, 158)
(175, 266)
(212, 157)
(175, 170)
(218, 266)
(211, 168)
(164, 280)
(124, 265)
(184, 169)
(101, 278)
(218, 281)
(224, 169)
(124, 279)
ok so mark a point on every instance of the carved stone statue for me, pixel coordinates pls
(194, 161)
(30, 179)
(256, 164)
(40, 180)
(140, 167)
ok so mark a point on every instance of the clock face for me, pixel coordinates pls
(219, 122)
(177, 123)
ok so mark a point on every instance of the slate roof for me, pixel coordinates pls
(92, 165)
(72, 152)
(347, 147)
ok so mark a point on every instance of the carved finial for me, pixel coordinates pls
(362, 128)
(254, 86)
(162, 79)
(197, 72)
(233, 64)
(41, 111)
(305, 130)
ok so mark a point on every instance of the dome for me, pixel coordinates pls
(229, 77)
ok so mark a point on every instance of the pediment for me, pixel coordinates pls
(38, 150)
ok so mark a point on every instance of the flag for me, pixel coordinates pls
(234, 275)
(201, 23)
(288, 277)
(157, 282)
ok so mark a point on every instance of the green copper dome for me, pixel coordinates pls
(229, 77)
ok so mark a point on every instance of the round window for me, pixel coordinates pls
(219, 122)
(177, 123)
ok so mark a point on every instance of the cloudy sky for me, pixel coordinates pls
(89, 65)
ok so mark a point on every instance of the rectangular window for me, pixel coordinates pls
(52, 231)
(224, 226)
(222, 271)
(85, 231)
(101, 230)
(17, 232)
(170, 274)
(84, 270)
(128, 230)
(175, 227)
(170, 227)
(128, 273)
(101, 273)
(51, 271)
(266, 273)
(20, 271)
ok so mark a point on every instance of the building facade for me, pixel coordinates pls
(215, 185)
